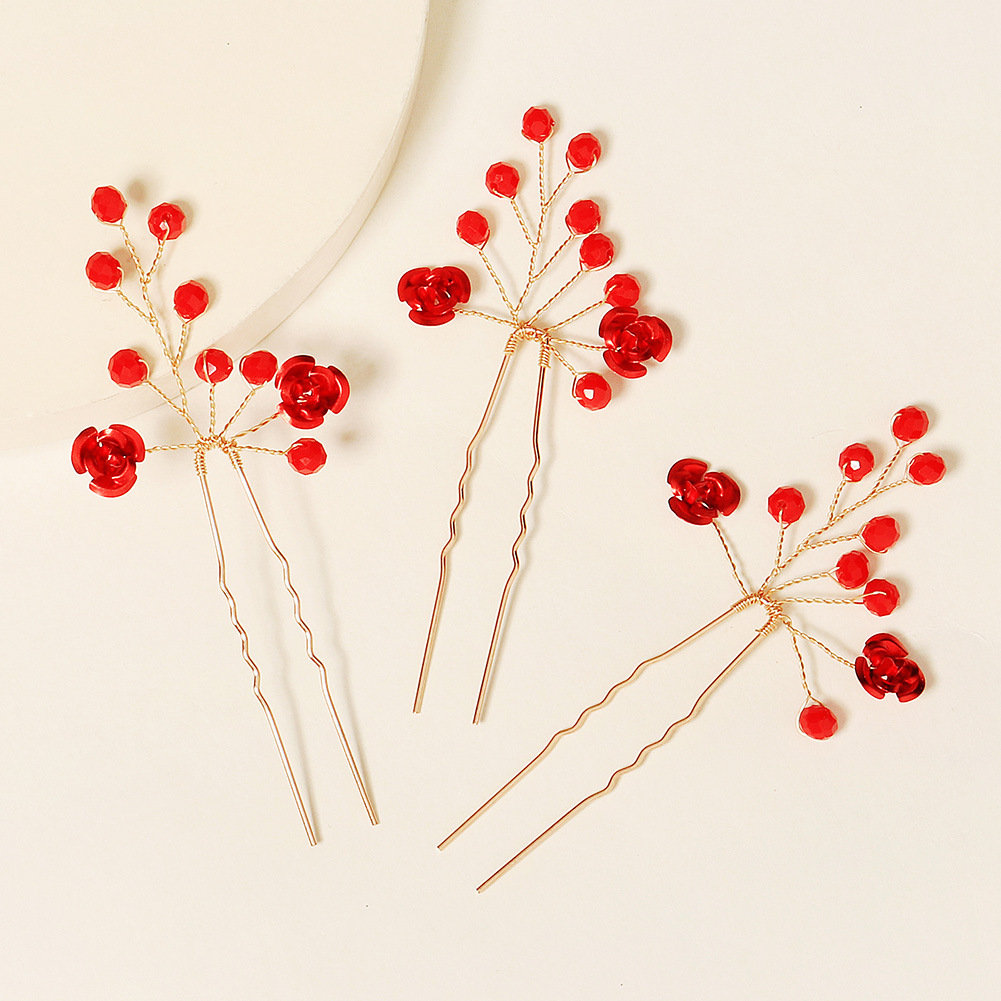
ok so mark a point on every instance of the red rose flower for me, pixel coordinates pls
(633, 339)
(309, 390)
(433, 294)
(884, 667)
(109, 457)
(700, 496)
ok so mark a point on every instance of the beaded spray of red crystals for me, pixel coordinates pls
(701, 497)
(628, 338)
(307, 391)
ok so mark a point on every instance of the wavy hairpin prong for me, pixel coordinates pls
(437, 296)
(702, 497)
(308, 393)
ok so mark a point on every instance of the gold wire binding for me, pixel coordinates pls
(616, 775)
(515, 561)
(234, 458)
(202, 471)
(453, 523)
(609, 695)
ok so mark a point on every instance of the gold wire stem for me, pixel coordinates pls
(556, 354)
(813, 639)
(500, 285)
(767, 628)
(886, 469)
(130, 247)
(182, 411)
(556, 253)
(609, 695)
(452, 528)
(485, 316)
(558, 189)
(245, 644)
(234, 458)
(515, 562)
(259, 448)
(575, 344)
(239, 410)
(802, 663)
(521, 221)
(729, 556)
(212, 409)
(577, 316)
(555, 296)
(801, 580)
(779, 544)
(257, 426)
(824, 601)
(837, 497)
(182, 340)
(128, 302)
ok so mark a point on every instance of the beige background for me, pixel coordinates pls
(810, 195)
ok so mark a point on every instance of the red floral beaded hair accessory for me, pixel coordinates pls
(307, 392)
(628, 339)
(702, 497)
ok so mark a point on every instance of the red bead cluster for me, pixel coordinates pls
(630, 339)
(307, 391)
(700, 497)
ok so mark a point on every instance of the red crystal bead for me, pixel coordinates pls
(909, 424)
(104, 271)
(108, 204)
(786, 505)
(596, 251)
(213, 365)
(306, 456)
(502, 180)
(622, 290)
(926, 468)
(856, 462)
(537, 125)
(592, 391)
(127, 368)
(473, 228)
(190, 300)
(852, 570)
(818, 722)
(880, 596)
(258, 367)
(583, 152)
(583, 217)
(880, 534)
(166, 221)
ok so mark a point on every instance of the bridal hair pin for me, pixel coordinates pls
(628, 339)
(307, 393)
(701, 497)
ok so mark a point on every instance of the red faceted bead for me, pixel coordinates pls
(856, 462)
(104, 271)
(592, 391)
(583, 152)
(108, 204)
(213, 365)
(166, 221)
(190, 300)
(852, 570)
(583, 217)
(818, 721)
(880, 534)
(502, 180)
(880, 596)
(909, 424)
(786, 505)
(473, 228)
(127, 368)
(537, 125)
(622, 290)
(926, 468)
(258, 367)
(596, 251)
(306, 456)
